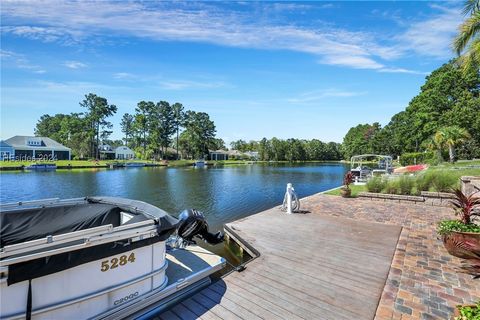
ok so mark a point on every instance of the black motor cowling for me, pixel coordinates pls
(193, 223)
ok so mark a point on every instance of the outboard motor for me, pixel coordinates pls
(193, 223)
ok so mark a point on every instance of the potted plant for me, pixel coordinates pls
(345, 190)
(461, 237)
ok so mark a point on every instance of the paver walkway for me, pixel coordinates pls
(424, 282)
(338, 265)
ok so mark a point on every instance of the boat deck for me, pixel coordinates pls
(312, 266)
(188, 271)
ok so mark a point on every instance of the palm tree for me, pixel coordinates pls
(468, 41)
(451, 137)
(435, 143)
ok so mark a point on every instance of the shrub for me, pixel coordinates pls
(443, 181)
(416, 158)
(447, 226)
(406, 184)
(348, 179)
(375, 184)
(392, 186)
(424, 181)
(469, 312)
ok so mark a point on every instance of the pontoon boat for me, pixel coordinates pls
(100, 257)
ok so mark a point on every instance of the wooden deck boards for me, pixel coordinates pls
(312, 266)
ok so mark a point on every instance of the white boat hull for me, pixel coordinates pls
(85, 291)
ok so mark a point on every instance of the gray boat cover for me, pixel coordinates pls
(21, 225)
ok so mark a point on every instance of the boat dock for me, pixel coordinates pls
(341, 259)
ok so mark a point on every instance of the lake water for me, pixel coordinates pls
(223, 193)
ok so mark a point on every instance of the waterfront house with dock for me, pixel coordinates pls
(29, 147)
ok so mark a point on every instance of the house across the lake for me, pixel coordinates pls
(253, 155)
(26, 148)
(106, 152)
(218, 155)
(124, 153)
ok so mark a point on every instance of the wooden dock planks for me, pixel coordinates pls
(312, 266)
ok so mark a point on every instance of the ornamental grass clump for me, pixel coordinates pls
(443, 181)
(392, 186)
(376, 184)
(424, 181)
(405, 185)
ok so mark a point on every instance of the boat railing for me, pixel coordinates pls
(39, 203)
(73, 241)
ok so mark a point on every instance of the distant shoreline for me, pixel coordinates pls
(89, 164)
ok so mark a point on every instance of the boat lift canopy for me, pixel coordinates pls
(384, 165)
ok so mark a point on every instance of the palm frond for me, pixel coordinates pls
(468, 29)
(470, 60)
(471, 6)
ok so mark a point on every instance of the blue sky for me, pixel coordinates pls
(260, 69)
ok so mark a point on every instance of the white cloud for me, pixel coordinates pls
(37, 33)
(124, 76)
(187, 84)
(74, 64)
(433, 36)
(357, 62)
(318, 95)
(20, 61)
(71, 22)
(285, 6)
(401, 70)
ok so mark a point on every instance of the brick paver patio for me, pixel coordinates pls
(423, 282)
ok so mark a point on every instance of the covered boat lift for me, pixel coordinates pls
(362, 172)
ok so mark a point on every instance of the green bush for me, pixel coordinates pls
(469, 312)
(416, 158)
(406, 184)
(392, 186)
(443, 181)
(375, 184)
(424, 181)
(447, 226)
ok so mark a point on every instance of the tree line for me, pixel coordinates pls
(290, 149)
(444, 117)
(149, 131)
(153, 128)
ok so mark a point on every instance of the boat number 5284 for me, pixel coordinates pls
(116, 262)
